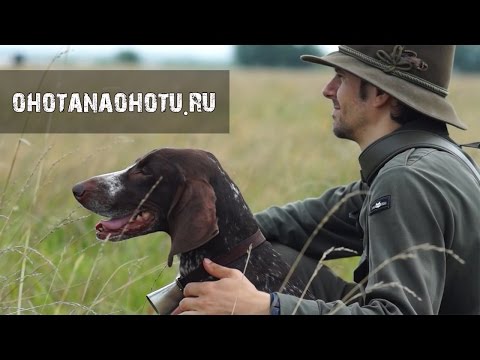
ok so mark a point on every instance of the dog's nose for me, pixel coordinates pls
(78, 191)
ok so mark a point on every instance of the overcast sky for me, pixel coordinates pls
(221, 53)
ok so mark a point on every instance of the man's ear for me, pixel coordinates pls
(381, 97)
(192, 218)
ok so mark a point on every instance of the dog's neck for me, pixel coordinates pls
(236, 223)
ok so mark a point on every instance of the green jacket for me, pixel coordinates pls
(421, 196)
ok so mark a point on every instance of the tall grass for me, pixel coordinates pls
(280, 148)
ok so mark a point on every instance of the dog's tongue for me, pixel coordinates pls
(115, 224)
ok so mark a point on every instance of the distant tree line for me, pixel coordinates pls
(274, 55)
(127, 57)
(467, 58)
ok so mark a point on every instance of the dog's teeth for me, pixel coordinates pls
(145, 215)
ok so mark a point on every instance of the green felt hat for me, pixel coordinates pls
(417, 75)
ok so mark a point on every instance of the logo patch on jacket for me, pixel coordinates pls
(380, 204)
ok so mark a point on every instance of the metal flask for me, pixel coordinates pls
(165, 299)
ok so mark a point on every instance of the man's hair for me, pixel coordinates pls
(362, 92)
(400, 113)
(403, 114)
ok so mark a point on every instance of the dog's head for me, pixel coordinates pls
(165, 190)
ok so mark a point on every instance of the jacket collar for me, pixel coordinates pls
(376, 154)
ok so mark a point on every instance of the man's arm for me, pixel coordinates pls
(417, 213)
(293, 223)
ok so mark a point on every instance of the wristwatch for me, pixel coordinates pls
(274, 304)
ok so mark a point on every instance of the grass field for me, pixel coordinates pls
(280, 148)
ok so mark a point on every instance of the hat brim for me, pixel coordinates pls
(416, 97)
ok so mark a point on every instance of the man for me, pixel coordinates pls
(413, 216)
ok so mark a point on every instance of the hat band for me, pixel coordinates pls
(388, 68)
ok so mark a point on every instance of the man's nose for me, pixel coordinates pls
(329, 90)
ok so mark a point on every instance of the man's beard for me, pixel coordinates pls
(341, 131)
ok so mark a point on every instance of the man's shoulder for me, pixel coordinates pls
(424, 158)
(421, 166)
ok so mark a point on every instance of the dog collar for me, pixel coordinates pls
(237, 252)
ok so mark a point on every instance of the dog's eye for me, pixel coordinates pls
(142, 171)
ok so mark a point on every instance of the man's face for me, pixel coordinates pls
(349, 109)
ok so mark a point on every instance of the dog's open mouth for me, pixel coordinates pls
(124, 227)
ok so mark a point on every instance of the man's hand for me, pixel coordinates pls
(233, 293)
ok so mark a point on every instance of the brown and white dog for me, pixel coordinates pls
(187, 194)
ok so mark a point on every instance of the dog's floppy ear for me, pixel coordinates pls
(192, 218)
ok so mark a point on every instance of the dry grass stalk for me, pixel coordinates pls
(409, 253)
(134, 214)
(315, 272)
(315, 232)
(127, 284)
(22, 190)
(96, 301)
(65, 221)
(249, 252)
(21, 139)
(56, 303)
